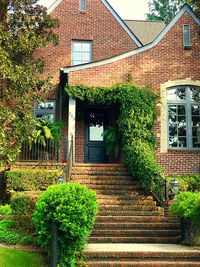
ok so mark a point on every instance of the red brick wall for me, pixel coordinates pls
(96, 24)
(165, 61)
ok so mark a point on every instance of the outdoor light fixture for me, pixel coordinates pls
(60, 180)
(175, 188)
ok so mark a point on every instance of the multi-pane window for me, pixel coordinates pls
(186, 36)
(45, 110)
(82, 5)
(183, 108)
(81, 52)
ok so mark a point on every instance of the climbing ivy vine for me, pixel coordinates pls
(136, 123)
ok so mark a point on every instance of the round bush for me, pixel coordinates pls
(73, 208)
(187, 205)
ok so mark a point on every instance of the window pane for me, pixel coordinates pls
(173, 141)
(195, 110)
(176, 94)
(48, 106)
(45, 117)
(86, 57)
(196, 142)
(76, 46)
(86, 47)
(180, 93)
(182, 142)
(77, 56)
(196, 121)
(194, 95)
(181, 110)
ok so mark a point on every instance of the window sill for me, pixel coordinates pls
(82, 12)
(183, 150)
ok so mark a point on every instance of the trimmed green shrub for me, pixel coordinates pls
(27, 240)
(5, 210)
(188, 182)
(28, 180)
(187, 205)
(73, 208)
(19, 204)
(7, 234)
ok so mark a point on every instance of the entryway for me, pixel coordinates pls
(96, 121)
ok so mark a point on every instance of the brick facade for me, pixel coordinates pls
(165, 61)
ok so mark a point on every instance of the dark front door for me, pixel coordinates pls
(96, 122)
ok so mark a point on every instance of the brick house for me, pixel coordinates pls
(98, 48)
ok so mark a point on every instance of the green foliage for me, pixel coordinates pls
(73, 208)
(188, 182)
(5, 209)
(19, 204)
(8, 235)
(28, 28)
(27, 180)
(165, 10)
(187, 205)
(27, 240)
(136, 123)
(112, 135)
(48, 130)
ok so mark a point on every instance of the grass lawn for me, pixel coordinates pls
(17, 258)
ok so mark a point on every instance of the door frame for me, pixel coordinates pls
(104, 111)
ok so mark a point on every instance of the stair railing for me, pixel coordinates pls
(162, 195)
(68, 168)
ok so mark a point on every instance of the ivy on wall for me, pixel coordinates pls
(136, 123)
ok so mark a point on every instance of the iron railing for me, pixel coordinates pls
(163, 194)
(37, 151)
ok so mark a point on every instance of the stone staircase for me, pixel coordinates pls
(127, 216)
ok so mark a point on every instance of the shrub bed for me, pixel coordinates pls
(187, 205)
(73, 208)
(28, 180)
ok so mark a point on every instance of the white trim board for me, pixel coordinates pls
(185, 8)
(114, 14)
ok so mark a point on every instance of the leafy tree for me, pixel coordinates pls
(24, 27)
(165, 10)
(196, 3)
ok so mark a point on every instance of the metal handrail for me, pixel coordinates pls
(162, 195)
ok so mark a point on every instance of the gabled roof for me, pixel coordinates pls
(185, 8)
(145, 30)
(114, 14)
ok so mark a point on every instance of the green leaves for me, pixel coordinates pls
(73, 207)
(187, 205)
(135, 128)
(28, 28)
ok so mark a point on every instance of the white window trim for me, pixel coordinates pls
(163, 110)
(46, 111)
(81, 41)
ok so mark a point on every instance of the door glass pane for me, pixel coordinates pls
(96, 126)
(96, 133)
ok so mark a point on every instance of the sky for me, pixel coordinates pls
(127, 9)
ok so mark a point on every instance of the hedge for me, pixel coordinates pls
(188, 182)
(28, 180)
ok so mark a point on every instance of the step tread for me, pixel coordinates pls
(142, 264)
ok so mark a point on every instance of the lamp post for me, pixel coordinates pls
(54, 233)
(175, 188)
(60, 180)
